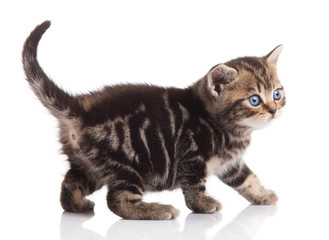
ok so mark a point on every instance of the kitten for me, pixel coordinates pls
(139, 138)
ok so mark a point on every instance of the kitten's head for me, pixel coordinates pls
(244, 92)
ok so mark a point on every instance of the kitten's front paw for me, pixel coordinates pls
(204, 204)
(266, 197)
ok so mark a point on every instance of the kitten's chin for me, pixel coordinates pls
(256, 124)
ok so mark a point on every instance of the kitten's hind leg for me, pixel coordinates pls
(129, 205)
(76, 185)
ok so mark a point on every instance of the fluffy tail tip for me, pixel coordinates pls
(44, 26)
(31, 43)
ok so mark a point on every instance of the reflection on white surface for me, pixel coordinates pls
(196, 225)
(71, 226)
(126, 229)
(243, 226)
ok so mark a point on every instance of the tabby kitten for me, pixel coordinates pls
(139, 138)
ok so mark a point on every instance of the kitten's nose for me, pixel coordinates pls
(272, 111)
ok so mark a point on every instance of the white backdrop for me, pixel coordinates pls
(169, 43)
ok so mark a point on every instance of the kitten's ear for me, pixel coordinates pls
(218, 76)
(273, 56)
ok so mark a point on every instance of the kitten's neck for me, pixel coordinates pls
(199, 90)
(219, 123)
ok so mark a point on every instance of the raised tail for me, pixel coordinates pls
(60, 103)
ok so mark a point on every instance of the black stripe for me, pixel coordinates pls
(144, 166)
(258, 86)
(238, 180)
(237, 103)
(237, 145)
(133, 201)
(256, 64)
(190, 172)
(123, 186)
(157, 157)
(202, 138)
(121, 172)
(230, 173)
(238, 110)
(168, 138)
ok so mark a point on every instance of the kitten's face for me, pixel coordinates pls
(248, 92)
(258, 97)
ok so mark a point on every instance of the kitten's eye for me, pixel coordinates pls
(254, 100)
(277, 94)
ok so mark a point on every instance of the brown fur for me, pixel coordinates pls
(139, 138)
(197, 200)
(255, 193)
(130, 206)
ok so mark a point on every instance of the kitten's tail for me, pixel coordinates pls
(60, 103)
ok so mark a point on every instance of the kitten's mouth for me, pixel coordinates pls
(271, 118)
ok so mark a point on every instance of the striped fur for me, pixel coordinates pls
(138, 138)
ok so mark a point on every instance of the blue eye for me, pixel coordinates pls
(254, 100)
(277, 95)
